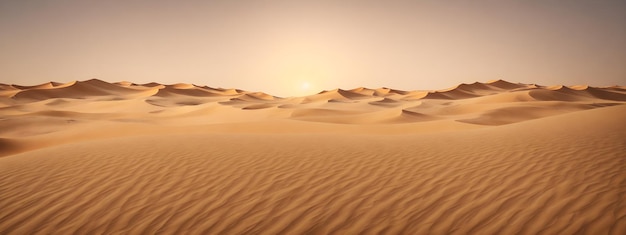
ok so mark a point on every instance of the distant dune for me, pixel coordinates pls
(92, 157)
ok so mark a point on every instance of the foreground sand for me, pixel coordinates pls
(483, 158)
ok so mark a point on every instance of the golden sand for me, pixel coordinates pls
(92, 157)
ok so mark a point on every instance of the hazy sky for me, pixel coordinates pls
(278, 46)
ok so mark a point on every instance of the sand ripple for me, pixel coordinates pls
(472, 183)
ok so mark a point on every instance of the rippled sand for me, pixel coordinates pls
(485, 158)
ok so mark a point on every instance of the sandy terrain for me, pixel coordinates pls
(92, 157)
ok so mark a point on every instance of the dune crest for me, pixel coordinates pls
(502, 84)
(448, 103)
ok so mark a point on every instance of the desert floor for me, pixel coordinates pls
(92, 157)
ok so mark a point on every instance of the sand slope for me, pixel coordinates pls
(484, 158)
(461, 103)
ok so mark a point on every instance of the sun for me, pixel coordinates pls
(305, 86)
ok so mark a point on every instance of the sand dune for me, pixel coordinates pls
(336, 95)
(389, 92)
(505, 85)
(169, 91)
(91, 157)
(74, 90)
(386, 102)
(453, 94)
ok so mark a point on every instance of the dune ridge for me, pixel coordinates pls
(92, 157)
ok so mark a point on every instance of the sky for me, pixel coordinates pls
(289, 48)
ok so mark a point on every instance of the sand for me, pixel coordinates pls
(92, 157)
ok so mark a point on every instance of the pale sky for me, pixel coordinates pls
(301, 47)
